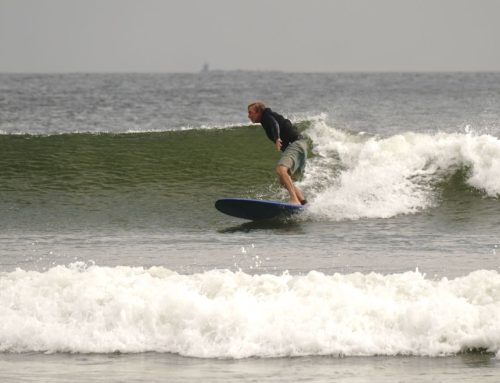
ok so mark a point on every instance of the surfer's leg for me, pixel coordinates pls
(293, 161)
(299, 195)
(285, 180)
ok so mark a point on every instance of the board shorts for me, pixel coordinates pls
(294, 157)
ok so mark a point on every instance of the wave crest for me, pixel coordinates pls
(356, 175)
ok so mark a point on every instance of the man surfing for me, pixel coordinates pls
(286, 139)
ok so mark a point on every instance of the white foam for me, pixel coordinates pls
(356, 175)
(234, 315)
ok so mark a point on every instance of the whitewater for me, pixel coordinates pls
(224, 314)
(355, 175)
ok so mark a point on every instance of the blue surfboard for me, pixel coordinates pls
(256, 209)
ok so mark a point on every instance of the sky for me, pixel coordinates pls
(283, 35)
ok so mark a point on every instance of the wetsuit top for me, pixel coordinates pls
(277, 126)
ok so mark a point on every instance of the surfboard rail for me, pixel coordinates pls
(256, 209)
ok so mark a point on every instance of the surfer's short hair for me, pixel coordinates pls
(257, 106)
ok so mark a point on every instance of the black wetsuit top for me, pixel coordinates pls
(277, 126)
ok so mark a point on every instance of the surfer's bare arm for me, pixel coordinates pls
(277, 143)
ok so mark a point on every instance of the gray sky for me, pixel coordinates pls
(287, 35)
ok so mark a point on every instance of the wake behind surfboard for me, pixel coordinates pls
(256, 209)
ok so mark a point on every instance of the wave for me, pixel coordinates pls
(135, 130)
(224, 314)
(350, 175)
(355, 175)
(299, 119)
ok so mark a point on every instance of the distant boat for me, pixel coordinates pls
(205, 68)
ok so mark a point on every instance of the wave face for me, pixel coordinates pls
(142, 179)
(223, 314)
(95, 162)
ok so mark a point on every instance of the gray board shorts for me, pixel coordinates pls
(294, 157)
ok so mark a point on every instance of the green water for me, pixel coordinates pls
(106, 179)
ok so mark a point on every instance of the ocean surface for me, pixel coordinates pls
(115, 265)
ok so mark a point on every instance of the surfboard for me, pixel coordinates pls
(256, 209)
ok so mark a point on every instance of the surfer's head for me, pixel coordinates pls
(255, 110)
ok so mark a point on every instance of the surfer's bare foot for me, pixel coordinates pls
(294, 202)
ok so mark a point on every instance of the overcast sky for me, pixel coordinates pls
(285, 35)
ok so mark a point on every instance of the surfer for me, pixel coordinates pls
(286, 139)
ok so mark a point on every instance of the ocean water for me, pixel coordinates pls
(115, 265)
